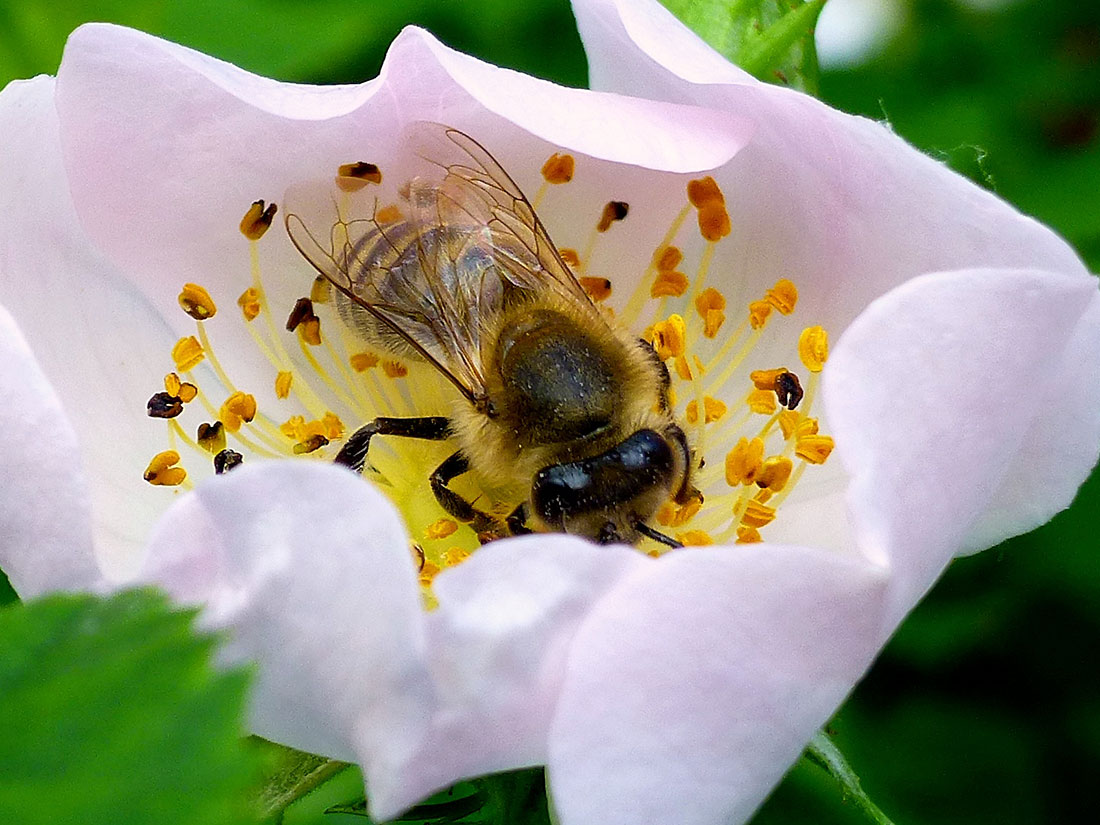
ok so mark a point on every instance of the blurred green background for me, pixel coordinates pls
(985, 708)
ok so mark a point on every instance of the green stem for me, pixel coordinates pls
(827, 756)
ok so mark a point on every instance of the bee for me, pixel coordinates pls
(557, 402)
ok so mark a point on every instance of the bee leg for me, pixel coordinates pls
(517, 521)
(354, 452)
(656, 535)
(455, 504)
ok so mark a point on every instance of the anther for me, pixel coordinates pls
(455, 555)
(813, 348)
(757, 514)
(775, 473)
(558, 169)
(683, 371)
(441, 529)
(570, 257)
(239, 408)
(707, 198)
(677, 515)
(388, 214)
(713, 409)
(814, 449)
(353, 176)
(394, 369)
(668, 283)
(667, 258)
(211, 437)
(744, 461)
(598, 289)
(187, 353)
(758, 313)
(305, 322)
(311, 444)
(783, 296)
(320, 291)
(282, 384)
(695, 538)
(164, 405)
(748, 535)
(761, 401)
(226, 460)
(196, 302)
(709, 304)
(613, 211)
(257, 220)
(249, 302)
(161, 471)
(788, 390)
(363, 361)
(669, 337)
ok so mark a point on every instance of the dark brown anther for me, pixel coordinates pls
(361, 171)
(257, 220)
(788, 389)
(211, 437)
(164, 405)
(311, 444)
(302, 312)
(612, 211)
(226, 460)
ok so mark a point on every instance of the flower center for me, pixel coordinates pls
(749, 422)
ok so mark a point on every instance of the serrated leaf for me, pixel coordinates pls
(112, 713)
(293, 774)
(771, 39)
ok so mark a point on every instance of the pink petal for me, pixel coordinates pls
(695, 683)
(45, 525)
(932, 394)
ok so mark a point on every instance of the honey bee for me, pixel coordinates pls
(557, 402)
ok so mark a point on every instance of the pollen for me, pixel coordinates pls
(363, 361)
(748, 535)
(758, 514)
(558, 168)
(713, 409)
(394, 369)
(455, 555)
(613, 211)
(775, 473)
(813, 348)
(249, 302)
(669, 337)
(441, 529)
(196, 302)
(695, 538)
(257, 220)
(352, 177)
(707, 198)
(744, 461)
(282, 383)
(388, 214)
(239, 408)
(762, 402)
(759, 311)
(211, 437)
(187, 353)
(672, 514)
(814, 449)
(783, 296)
(162, 471)
(598, 289)
(669, 283)
(667, 258)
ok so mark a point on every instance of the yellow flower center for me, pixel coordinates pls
(750, 424)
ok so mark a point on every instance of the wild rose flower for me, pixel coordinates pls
(930, 324)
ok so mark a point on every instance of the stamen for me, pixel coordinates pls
(613, 211)
(813, 348)
(283, 383)
(257, 220)
(783, 296)
(775, 473)
(441, 529)
(713, 409)
(363, 361)
(709, 305)
(249, 302)
(394, 369)
(351, 177)
(226, 460)
(788, 390)
(558, 169)
(162, 471)
(695, 538)
(814, 449)
(598, 289)
(708, 200)
(744, 461)
(669, 337)
(164, 405)
(211, 437)
(239, 408)
(187, 354)
(570, 256)
(669, 283)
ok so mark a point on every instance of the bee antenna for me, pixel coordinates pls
(656, 535)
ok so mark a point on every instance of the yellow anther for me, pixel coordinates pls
(211, 437)
(788, 420)
(668, 283)
(667, 258)
(455, 555)
(310, 331)
(783, 296)
(354, 176)
(394, 369)
(672, 514)
(293, 426)
(714, 222)
(762, 402)
(598, 289)
(238, 408)
(441, 529)
(187, 353)
(814, 449)
(682, 368)
(669, 337)
(748, 535)
(333, 426)
(744, 461)
(775, 473)
(763, 495)
(710, 298)
(758, 514)
(321, 290)
(694, 538)
(558, 168)
(363, 361)
(187, 392)
(766, 379)
(704, 192)
(712, 322)
(310, 444)
(172, 384)
(196, 302)
(612, 211)
(813, 348)
(713, 409)
(388, 214)
(758, 313)
(161, 471)
(282, 383)
(257, 220)
(249, 302)
(570, 256)
(428, 572)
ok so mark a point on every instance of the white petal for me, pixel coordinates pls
(45, 524)
(695, 683)
(933, 391)
(96, 338)
(309, 570)
(498, 643)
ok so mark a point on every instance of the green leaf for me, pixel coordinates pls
(112, 713)
(827, 756)
(771, 39)
(293, 774)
